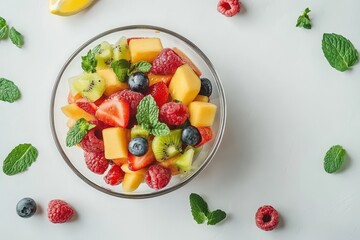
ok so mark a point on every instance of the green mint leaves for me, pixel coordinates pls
(4, 29)
(88, 62)
(141, 66)
(339, 51)
(19, 159)
(147, 117)
(334, 159)
(77, 132)
(121, 68)
(201, 213)
(9, 92)
(16, 38)
(304, 20)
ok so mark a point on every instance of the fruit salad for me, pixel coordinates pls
(140, 112)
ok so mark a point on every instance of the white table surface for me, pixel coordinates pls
(286, 107)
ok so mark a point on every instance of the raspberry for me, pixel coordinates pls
(267, 218)
(228, 7)
(96, 162)
(59, 211)
(159, 92)
(173, 113)
(166, 62)
(157, 177)
(91, 142)
(133, 98)
(114, 176)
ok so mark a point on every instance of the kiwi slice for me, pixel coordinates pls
(121, 50)
(104, 56)
(90, 86)
(167, 146)
(138, 131)
(184, 161)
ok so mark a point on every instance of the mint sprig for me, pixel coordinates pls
(9, 92)
(16, 38)
(147, 117)
(88, 62)
(19, 159)
(121, 68)
(201, 213)
(4, 28)
(78, 132)
(304, 19)
(142, 66)
(334, 159)
(339, 51)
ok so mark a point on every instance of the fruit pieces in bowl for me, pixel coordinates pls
(146, 112)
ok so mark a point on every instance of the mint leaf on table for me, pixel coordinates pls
(304, 19)
(215, 217)
(19, 159)
(9, 92)
(77, 132)
(88, 62)
(199, 208)
(121, 68)
(339, 51)
(334, 159)
(147, 117)
(4, 28)
(16, 37)
(142, 66)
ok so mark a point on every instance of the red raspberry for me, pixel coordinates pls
(228, 7)
(96, 162)
(159, 92)
(59, 211)
(267, 218)
(115, 175)
(157, 177)
(91, 142)
(173, 113)
(166, 62)
(133, 98)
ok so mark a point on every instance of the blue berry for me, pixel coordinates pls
(190, 136)
(26, 207)
(206, 87)
(138, 82)
(138, 146)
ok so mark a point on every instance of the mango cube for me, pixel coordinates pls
(202, 114)
(74, 112)
(115, 142)
(144, 49)
(202, 98)
(112, 83)
(185, 85)
(132, 181)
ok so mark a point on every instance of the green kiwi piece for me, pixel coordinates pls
(90, 86)
(167, 146)
(104, 56)
(121, 50)
(73, 90)
(138, 131)
(184, 161)
(196, 150)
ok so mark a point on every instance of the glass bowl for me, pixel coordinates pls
(74, 157)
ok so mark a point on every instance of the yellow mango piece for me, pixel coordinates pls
(202, 114)
(185, 85)
(115, 142)
(74, 112)
(144, 49)
(202, 98)
(132, 181)
(112, 83)
(119, 161)
(171, 164)
(125, 168)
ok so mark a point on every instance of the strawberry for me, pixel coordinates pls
(100, 100)
(206, 135)
(133, 98)
(166, 62)
(159, 92)
(86, 105)
(137, 163)
(114, 112)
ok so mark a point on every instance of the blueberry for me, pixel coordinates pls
(138, 146)
(26, 207)
(190, 136)
(138, 82)
(206, 87)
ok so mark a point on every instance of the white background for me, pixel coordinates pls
(286, 108)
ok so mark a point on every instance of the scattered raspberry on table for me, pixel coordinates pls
(59, 211)
(229, 7)
(267, 218)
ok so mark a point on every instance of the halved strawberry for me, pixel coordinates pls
(100, 100)
(86, 105)
(159, 92)
(206, 135)
(137, 163)
(114, 112)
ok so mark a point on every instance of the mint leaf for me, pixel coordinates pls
(77, 132)
(339, 51)
(4, 28)
(19, 159)
(199, 208)
(16, 37)
(215, 217)
(334, 159)
(9, 92)
(88, 62)
(142, 66)
(121, 68)
(147, 117)
(304, 19)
